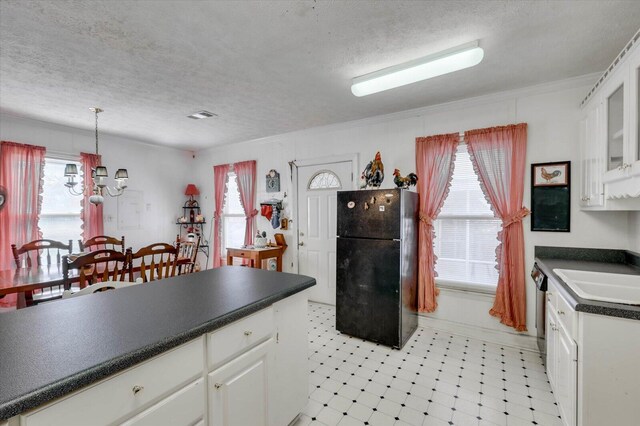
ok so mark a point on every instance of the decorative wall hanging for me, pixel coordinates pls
(551, 196)
(273, 181)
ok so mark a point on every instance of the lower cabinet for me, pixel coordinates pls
(562, 356)
(239, 390)
(252, 372)
(566, 384)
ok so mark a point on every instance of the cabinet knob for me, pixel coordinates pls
(137, 389)
(560, 312)
(218, 385)
(248, 333)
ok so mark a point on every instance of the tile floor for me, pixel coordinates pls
(436, 379)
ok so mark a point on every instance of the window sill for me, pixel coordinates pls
(466, 287)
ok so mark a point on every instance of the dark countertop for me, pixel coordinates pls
(597, 260)
(52, 349)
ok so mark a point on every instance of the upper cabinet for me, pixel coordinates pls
(609, 136)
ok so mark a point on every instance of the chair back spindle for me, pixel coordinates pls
(157, 261)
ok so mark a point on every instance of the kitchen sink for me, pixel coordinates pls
(606, 287)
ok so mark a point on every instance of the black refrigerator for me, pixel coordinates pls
(377, 265)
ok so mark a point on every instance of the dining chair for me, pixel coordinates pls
(52, 251)
(187, 255)
(96, 267)
(39, 248)
(155, 261)
(102, 242)
(100, 287)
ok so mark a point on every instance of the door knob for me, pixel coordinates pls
(301, 243)
(301, 233)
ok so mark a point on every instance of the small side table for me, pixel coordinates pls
(256, 256)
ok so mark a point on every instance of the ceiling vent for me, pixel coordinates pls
(202, 114)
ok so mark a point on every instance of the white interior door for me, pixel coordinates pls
(317, 196)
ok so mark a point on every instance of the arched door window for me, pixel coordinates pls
(324, 179)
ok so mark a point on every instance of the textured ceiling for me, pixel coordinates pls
(276, 66)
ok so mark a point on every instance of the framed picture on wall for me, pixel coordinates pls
(551, 174)
(551, 197)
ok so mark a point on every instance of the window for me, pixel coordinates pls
(60, 214)
(466, 231)
(324, 180)
(233, 220)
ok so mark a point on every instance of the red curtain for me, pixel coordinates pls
(21, 173)
(246, 173)
(220, 177)
(498, 155)
(92, 219)
(435, 158)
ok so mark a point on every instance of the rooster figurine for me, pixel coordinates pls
(404, 182)
(549, 176)
(374, 172)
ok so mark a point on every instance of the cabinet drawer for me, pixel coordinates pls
(567, 316)
(238, 337)
(183, 408)
(123, 394)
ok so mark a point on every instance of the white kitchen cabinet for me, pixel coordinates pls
(239, 391)
(562, 367)
(552, 346)
(290, 369)
(566, 384)
(609, 137)
(592, 364)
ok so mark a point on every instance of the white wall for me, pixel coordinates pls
(160, 173)
(552, 112)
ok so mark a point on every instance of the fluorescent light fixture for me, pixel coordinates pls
(440, 63)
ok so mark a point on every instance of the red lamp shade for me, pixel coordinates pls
(191, 190)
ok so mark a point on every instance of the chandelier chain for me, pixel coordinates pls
(96, 131)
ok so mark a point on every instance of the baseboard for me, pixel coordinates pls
(520, 341)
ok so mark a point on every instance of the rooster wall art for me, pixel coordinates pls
(549, 176)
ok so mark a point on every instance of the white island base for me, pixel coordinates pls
(250, 372)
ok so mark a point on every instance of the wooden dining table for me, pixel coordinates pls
(22, 280)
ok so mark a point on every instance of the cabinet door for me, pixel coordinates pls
(615, 101)
(566, 389)
(239, 390)
(584, 163)
(551, 337)
(593, 153)
(633, 152)
(290, 373)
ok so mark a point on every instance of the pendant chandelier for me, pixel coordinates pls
(98, 176)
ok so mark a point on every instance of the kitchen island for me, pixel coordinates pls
(230, 341)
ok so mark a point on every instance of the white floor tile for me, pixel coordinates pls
(436, 379)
